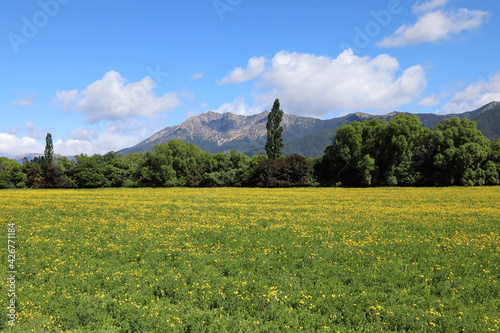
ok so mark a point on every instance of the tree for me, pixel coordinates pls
(376, 152)
(404, 151)
(352, 159)
(291, 171)
(495, 153)
(265, 174)
(32, 170)
(50, 174)
(459, 152)
(65, 169)
(241, 166)
(11, 174)
(49, 149)
(296, 171)
(274, 144)
(89, 172)
(170, 164)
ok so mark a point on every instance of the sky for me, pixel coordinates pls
(101, 76)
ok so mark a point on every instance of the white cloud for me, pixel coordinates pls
(65, 99)
(187, 96)
(256, 66)
(122, 114)
(12, 130)
(420, 7)
(430, 101)
(30, 129)
(96, 139)
(72, 147)
(474, 96)
(11, 145)
(312, 85)
(435, 26)
(197, 76)
(112, 98)
(104, 143)
(238, 106)
(83, 133)
(107, 136)
(35, 132)
(26, 102)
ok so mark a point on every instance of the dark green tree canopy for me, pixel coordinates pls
(459, 151)
(274, 144)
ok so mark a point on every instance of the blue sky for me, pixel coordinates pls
(104, 75)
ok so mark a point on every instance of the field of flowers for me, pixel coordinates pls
(254, 260)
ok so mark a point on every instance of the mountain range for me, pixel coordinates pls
(29, 157)
(222, 132)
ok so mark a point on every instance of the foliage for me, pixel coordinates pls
(170, 164)
(459, 152)
(405, 153)
(49, 149)
(291, 171)
(274, 143)
(11, 175)
(89, 172)
(255, 260)
(399, 152)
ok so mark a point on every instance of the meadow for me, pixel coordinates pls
(254, 260)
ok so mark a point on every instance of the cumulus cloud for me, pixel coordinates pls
(26, 102)
(474, 96)
(94, 139)
(11, 145)
(35, 132)
(120, 114)
(65, 99)
(113, 98)
(111, 136)
(83, 133)
(72, 147)
(308, 84)
(238, 106)
(106, 136)
(256, 66)
(104, 143)
(429, 101)
(435, 26)
(30, 129)
(422, 7)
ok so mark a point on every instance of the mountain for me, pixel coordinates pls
(31, 156)
(20, 158)
(222, 132)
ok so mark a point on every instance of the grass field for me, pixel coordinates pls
(254, 260)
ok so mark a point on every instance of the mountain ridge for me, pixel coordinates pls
(308, 136)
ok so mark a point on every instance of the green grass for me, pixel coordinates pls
(254, 260)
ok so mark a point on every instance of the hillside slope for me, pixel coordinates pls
(223, 132)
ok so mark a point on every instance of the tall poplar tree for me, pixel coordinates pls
(274, 144)
(49, 149)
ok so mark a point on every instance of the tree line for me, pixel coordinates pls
(172, 164)
(403, 152)
(399, 152)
